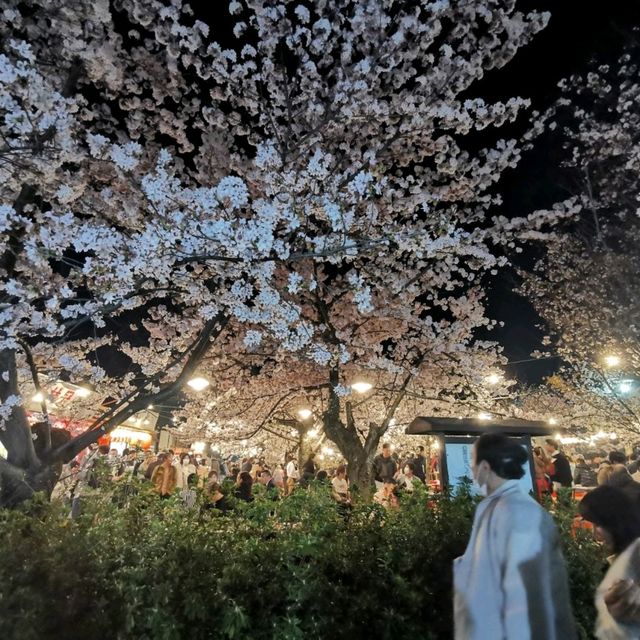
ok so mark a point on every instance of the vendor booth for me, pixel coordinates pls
(457, 435)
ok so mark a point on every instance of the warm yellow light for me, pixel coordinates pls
(493, 378)
(612, 361)
(305, 414)
(436, 444)
(328, 451)
(198, 384)
(83, 392)
(198, 447)
(312, 433)
(552, 421)
(38, 397)
(361, 387)
(484, 416)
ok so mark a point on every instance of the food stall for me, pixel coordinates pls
(456, 437)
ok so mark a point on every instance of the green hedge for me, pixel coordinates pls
(139, 567)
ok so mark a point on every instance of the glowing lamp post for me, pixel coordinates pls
(612, 361)
(361, 387)
(198, 384)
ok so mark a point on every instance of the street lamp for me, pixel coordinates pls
(198, 384)
(83, 392)
(305, 414)
(493, 379)
(484, 416)
(361, 387)
(38, 397)
(625, 386)
(612, 361)
(552, 421)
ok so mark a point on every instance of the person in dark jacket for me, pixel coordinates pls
(621, 478)
(583, 474)
(308, 470)
(156, 463)
(244, 487)
(561, 475)
(266, 480)
(384, 466)
(419, 464)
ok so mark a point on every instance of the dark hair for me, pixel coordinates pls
(103, 449)
(265, 472)
(617, 457)
(192, 479)
(505, 456)
(322, 475)
(613, 510)
(245, 478)
(420, 448)
(386, 445)
(554, 443)
(619, 476)
(341, 469)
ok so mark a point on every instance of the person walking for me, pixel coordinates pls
(419, 464)
(308, 470)
(617, 525)
(384, 467)
(560, 475)
(165, 477)
(292, 474)
(511, 582)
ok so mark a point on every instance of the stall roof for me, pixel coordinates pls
(475, 426)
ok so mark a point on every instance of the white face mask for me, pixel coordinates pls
(479, 487)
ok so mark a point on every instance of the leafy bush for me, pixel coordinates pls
(134, 566)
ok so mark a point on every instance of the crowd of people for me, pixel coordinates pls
(170, 473)
(511, 581)
(556, 470)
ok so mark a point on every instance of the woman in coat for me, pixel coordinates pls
(617, 525)
(164, 477)
(511, 582)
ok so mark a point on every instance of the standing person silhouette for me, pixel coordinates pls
(511, 582)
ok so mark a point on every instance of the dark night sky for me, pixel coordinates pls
(578, 31)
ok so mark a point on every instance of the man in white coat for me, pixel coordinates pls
(511, 582)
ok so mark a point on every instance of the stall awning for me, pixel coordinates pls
(475, 426)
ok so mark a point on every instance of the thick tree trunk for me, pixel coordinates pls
(360, 475)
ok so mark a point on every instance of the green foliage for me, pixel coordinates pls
(135, 566)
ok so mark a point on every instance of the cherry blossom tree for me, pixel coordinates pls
(281, 176)
(586, 287)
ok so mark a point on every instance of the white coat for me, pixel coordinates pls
(511, 582)
(626, 566)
